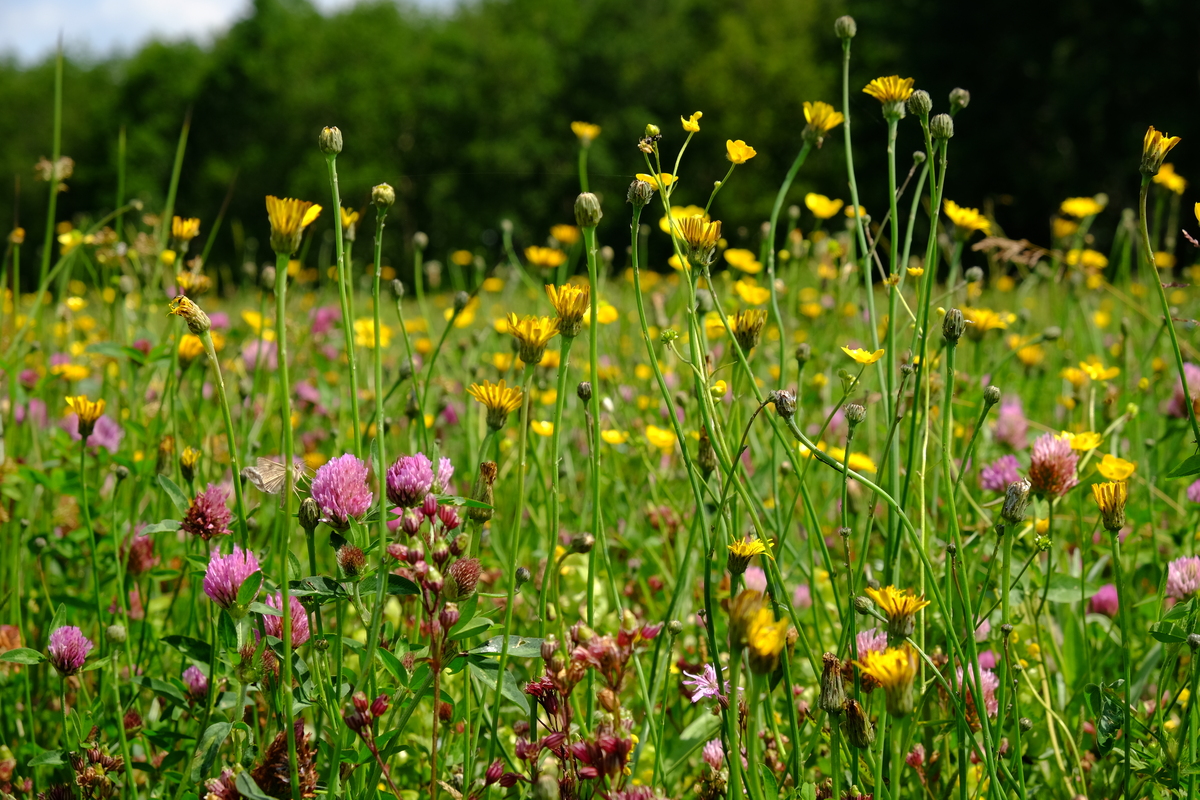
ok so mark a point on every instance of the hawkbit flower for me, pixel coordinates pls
(274, 625)
(208, 515)
(996, 477)
(409, 479)
(68, 649)
(1052, 468)
(340, 489)
(225, 575)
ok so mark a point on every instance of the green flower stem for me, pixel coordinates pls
(780, 198)
(55, 155)
(1123, 601)
(85, 507)
(423, 394)
(234, 461)
(511, 548)
(285, 515)
(119, 721)
(835, 755)
(589, 243)
(583, 174)
(1166, 310)
(564, 364)
(757, 686)
(344, 291)
(381, 530)
(732, 733)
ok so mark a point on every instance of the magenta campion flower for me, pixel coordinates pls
(1011, 426)
(196, 682)
(68, 649)
(996, 477)
(409, 479)
(703, 683)
(988, 684)
(1052, 466)
(274, 625)
(340, 489)
(1105, 601)
(872, 640)
(226, 574)
(1176, 406)
(323, 318)
(209, 514)
(1193, 491)
(1183, 577)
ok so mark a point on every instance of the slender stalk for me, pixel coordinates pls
(589, 243)
(344, 290)
(234, 461)
(1123, 601)
(564, 363)
(55, 155)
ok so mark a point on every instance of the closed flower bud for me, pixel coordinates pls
(855, 414)
(991, 396)
(864, 605)
(784, 401)
(460, 543)
(674, 627)
(941, 127)
(832, 699)
(351, 559)
(398, 288)
(587, 210)
(1016, 502)
(121, 472)
(330, 140)
(1111, 498)
(383, 196)
(1052, 333)
(584, 391)
(197, 321)
(462, 578)
(433, 580)
(859, 730)
(449, 616)
(640, 193)
(919, 157)
(115, 634)
(1193, 641)
(309, 514)
(845, 27)
(582, 543)
(653, 130)
(803, 354)
(973, 275)
(953, 326)
(959, 99)
(920, 103)
(523, 575)
(1026, 724)
(706, 456)
(483, 493)
(420, 240)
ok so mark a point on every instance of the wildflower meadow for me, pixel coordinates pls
(865, 502)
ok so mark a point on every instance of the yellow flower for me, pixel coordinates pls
(1111, 498)
(892, 89)
(546, 257)
(742, 550)
(680, 213)
(1081, 207)
(364, 333)
(850, 213)
(718, 389)
(566, 235)
(821, 117)
(166, 256)
(606, 314)
(661, 438)
(894, 669)
(967, 220)
(859, 462)
(185, 229)
(738, 151)
(915, 272)
(1155, 147)
(76, 303)
(1169, 178)
(765, 639)
(349, 218)
(1114, 468)
(87, 410)
(982, 320)
(863, 356)
(462, 258)
(821, 206)
(1098, 372)
(70, 372)
(542, 427)
(1088, 440)
(190, 347)
(659, 182)
(692, 124)
(1087, 258)
(743, 260)
(896, 603)
(1064, 228)
(532, 334)
(586, 132)
(614, 436)
(1164, 260)
(498, 399)
(699, 233)
(752, 294)
(493, 284)
(570, 302)
(289, 218)
(677, 265)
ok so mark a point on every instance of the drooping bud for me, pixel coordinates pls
(859, 730)
(483, 493)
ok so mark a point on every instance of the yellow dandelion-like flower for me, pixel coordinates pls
(1088, 440)
(851, 213)
(1111, 499)
(614, 436)
(895, 602)
(1164, 260)
(1098, 372)
(532, 334)
(692, 124)
(289, 218)
(542, 427)
(349, 219)
(1086, 258)
(1080, 207)
(821, 117)
(892, 89)
(751, 293)
(679, 213)
(821, 206)
(894, 669)
(586, 132)
(742, 260)
(765, 640)
(1155, 147)
(364, 334)
(462, 258)
(662, 438)
(70, 372)
(87, 410)
(498, 399)
(566, 235)
(190, 348)
(700, 235)
(863, 356)
(571, 303)
(1171, 180)
(983, 320)
(1114, 468)
(967, 220)
(545, 257)
(185, 229)
(738, 151)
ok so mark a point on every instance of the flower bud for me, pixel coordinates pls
(115, 634)
(309, 514)
(330, 141)
(197, 321)
(785, 402)
(360, 701)
(803, 354)
(584, 391)
(587, 210)
(420, 240)
(919, 157)
(941, 127)
(433, 580)
(379, 706)
(1052, 333)
(953, 326)
(864, 605)
(845, 27)
(653, 130)
(523, 575)
(973, 275)
(449, 616)
(640, 193)
(706, 456)
(959, 99)
(483, 492)
(398, 288)
(1026, 724)
(383, 196)
(855, 414)
(991, 396)
(920, 103)
(1193, 641)
(582, 543)
(351, 559)
(832, 699)
(1016, 502)
(674, 627)
(859, 730)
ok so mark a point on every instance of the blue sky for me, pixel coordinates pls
(29, 29)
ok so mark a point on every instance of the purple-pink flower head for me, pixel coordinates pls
(208, 516)
(1105, 601)
(68, 649)
(714, 754)
(755, 579)
(441, 481)
(1011, 426)
(996, 477)
(196, 682)
(872, 640)
(340, 489)
(988, 684)
(409, 479)
(703, 684)
(274, 625)
(1193, 492)
(1183, 577)
(802, 597)
(226, 574)
(1177, 407)
(1052, 467)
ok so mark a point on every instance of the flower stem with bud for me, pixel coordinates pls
(343, 291)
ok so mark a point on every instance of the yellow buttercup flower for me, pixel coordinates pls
(660, 181)
(586, 132)
(863, 356)
(570, 302)
(743, 260)
(679, 213)
(546, 257)
(614, 436)
(718, 389)
(892, 89)
(1168, 178)
(661, 438)
(765, 640)
(462, 258)
(1088, 259)
(692, 124)
(1080, 207)
(821, 206)
(851, 213)
(967, 220)
(532, 334)
(982, 320)
(894, 669)
(1098, 372)
(1114, 468)
(821, 118)
(1155, 146)
(542, 427)
(185, 229)
(738, 151)
(70, 372)
(1088, 440)
(190, 348)
(498, 399)
(566, 235)
(915, 272)
(364, 333)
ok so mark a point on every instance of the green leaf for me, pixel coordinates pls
(396, 584)
(22, 655)
(249, 588)
(248, 788)
(50, 758)
(392, 664)
(769, 785)
(808, 791)
(518, 647)
(485, 672)
(161, 688)
(472, 627)
(1065, 589)
(1190, 466)
(192, 648)
(175, 493)
(265, 610)
(1106, 705)
(1168, 632)
(166, 526)
(318, 588)
(207, 749)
